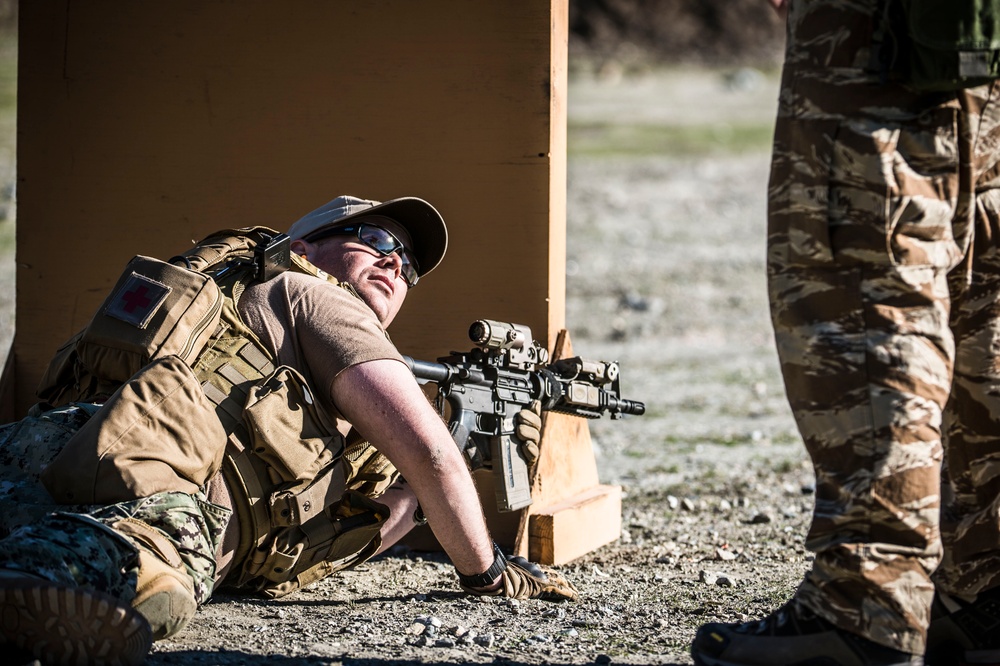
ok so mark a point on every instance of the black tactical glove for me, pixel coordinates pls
(526, 580)
(528, 428)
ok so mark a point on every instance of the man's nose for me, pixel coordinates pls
(395, 260)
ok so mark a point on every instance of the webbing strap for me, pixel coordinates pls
(250, 501)
(291, 508)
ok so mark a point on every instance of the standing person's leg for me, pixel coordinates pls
(966, 622)
(866, 355)
(866, 220)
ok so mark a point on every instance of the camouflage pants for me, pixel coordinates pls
(884, 280)
(78, 545)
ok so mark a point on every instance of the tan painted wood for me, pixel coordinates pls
(572, 528)
(144, 126)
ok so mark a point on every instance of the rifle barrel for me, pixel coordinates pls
(635, 407)
(435, 372)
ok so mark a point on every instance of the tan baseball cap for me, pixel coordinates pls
(420, 219)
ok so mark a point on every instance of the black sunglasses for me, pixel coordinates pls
(379, 239)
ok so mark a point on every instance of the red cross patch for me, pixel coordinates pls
(137, 300)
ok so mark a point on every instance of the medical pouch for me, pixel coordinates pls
(156, 433)
(951, 44)
(156, 309)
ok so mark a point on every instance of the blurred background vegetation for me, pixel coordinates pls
(615, 37)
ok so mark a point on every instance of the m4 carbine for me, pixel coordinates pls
(481, 391)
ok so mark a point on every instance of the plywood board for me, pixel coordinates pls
(562, 532)
(144, 126)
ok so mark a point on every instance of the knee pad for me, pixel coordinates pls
(164, 592)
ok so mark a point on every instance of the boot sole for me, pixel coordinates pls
(64, 626)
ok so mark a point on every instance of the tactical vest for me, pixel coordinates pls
(183, 379)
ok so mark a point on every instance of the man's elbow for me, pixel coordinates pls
(442, 458)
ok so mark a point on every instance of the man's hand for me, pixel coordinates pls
(525, 580)
(528, 428)
(780, 6)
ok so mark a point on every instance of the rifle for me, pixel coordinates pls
(506, 370)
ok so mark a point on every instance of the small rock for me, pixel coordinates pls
(687, 504)
(724, 581)
(602, 660)
(760, 519)
(485, 640)
(416, 629)
(707, 577)
(444, 642)
(673, 502)
(571, 632)
(724, 555)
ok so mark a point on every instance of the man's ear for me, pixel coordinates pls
(301, 247)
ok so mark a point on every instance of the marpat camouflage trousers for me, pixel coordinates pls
(78, 545)
(884, 280)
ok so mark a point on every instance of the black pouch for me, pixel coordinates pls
(951, 44)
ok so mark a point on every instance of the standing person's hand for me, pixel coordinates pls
(780, 6)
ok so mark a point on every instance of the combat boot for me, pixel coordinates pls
(964, 632)
(62, 625)
(164, 592)
(791, 636)
(164, 596)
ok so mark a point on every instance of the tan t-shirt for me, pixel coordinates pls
(318, 328)
(315, 326)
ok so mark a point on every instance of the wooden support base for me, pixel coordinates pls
(574, 527)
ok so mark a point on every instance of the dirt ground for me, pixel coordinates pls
(665, 274)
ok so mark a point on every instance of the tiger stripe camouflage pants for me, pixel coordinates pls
(884, 281)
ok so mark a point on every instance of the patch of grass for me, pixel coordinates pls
(7, 238)
(8, 86)
(605, 139)
(785, 466)
(729, 439)
(786, 437)
(664, 469)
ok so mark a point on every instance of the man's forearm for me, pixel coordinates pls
(402, 505)
(384, 403)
